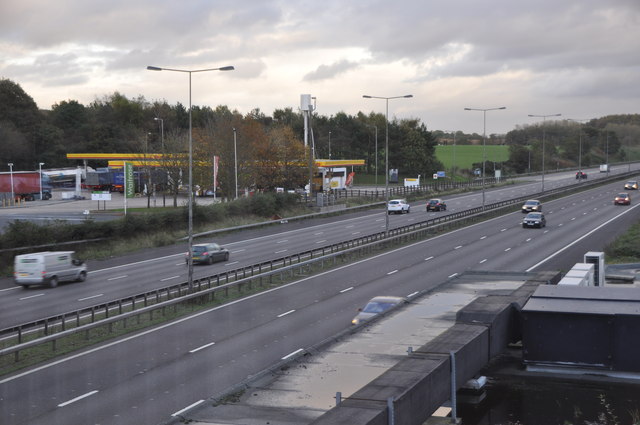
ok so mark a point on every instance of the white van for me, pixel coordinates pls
(49, 267)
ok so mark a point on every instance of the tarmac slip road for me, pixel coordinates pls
(148, 377)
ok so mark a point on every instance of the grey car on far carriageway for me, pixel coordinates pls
(208, 253)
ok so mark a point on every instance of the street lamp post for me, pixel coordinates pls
(13, 196)
(544, 117)
(484, 141)
(40, 164)
(386, 153)
(579, 121)
(190, 214)
(235, 159)
(329, 145)
(161, 131)
(375, 127)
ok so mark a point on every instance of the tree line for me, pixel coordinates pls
(268, 150)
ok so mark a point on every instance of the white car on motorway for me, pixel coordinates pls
(398, 206)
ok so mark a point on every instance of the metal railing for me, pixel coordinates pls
(56, 327)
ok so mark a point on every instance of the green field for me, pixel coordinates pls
(466, 155)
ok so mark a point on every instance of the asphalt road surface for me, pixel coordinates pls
(147, 377)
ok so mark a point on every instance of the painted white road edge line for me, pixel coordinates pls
(179, 412)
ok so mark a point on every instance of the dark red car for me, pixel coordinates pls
(622, 199)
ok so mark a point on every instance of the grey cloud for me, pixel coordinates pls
(324, 72)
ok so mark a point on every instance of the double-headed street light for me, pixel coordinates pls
(190, 253)
(386, 152)
(544, 117)
(484, 140)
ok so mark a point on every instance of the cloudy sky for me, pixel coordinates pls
(580, 58)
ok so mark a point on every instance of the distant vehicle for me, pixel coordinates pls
(398, 206)
(48, 268)
(622, 199)
(375, 306)
(631, 185)
(534, 219)
(604, 168)
(208, 253)
(25, 185)
(436, 205)
(581, 175)
(532, 205)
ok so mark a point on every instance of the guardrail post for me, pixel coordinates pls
(338, 398)
(392, 413)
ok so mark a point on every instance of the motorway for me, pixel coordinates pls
(147, 377)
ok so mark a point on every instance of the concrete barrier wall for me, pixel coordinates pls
(421, 383)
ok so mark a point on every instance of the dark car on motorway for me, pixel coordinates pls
(375, 306)
(532, 205)
(534, 219)
(436, 205)
(581, 175)
(631, 185)
(208, 253)
(622, 199)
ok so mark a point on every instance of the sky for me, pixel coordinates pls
(578, 58)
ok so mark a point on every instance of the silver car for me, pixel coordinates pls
(375, 306)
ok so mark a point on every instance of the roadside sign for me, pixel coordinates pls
(100, 196)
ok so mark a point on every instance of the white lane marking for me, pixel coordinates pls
(179, 412)
(349, 226)
(413, 294)
(202, 347)
(285, 313)
(238, 250)
(528, 240)
(30, 296)
(392, 272)
(458, 247)
(118, 277)
(92, 296)
(346, 290)
(355, 233)
(508, 249)
(379, 219)
(217, 308)
(324, 240)
(292, 354)
(573, 218)
(503, 230)
(9, 289)
(453, 275)
(231, 263)
(283, 241)
(73, 400)
(484, 237)
(318, 233)
(560, 225)
(169, 278)
(281, 251)
(428, 258)
(483, 261)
